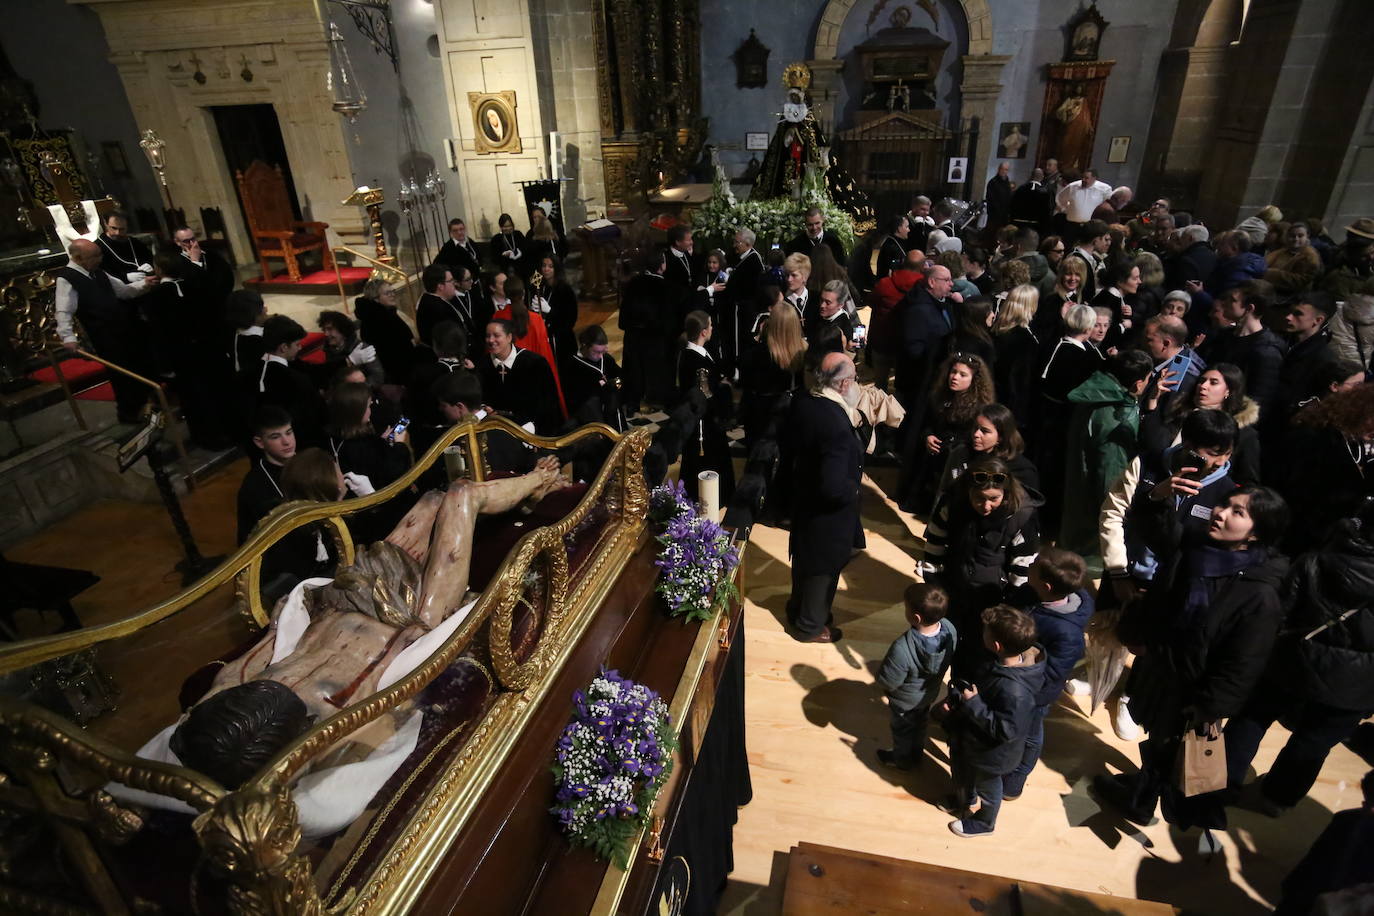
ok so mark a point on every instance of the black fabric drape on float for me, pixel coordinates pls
(718, 786)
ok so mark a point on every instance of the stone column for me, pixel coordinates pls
(825, 92)
(981, 87)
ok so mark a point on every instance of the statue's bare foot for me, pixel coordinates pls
(550, 478)
(413, 532)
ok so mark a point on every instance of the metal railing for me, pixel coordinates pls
(178, 436)
(391, 271)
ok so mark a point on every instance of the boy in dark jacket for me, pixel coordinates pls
(987, 721)
(1058, 578)
(912, 670)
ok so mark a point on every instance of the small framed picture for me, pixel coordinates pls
(493, 122)
(1119, 150)
(756, 140)
(1013, 139)
(114, 158)
(958, 169)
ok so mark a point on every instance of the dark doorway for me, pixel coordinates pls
(248, 132)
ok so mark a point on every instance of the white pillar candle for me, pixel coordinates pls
(708, 488)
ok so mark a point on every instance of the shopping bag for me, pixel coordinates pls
(1201, 764)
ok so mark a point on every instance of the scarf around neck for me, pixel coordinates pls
(1204, 567)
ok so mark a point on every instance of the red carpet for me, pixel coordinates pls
(314, 284)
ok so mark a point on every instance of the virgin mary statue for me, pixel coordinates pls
(799, 142)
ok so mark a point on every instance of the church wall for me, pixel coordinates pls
(79, 88)
(951, 25)
(1030, 33)
(1354, 193)
(406, 125)
(486, 46)
(787, 28)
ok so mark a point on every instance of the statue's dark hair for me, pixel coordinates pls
(234, 733)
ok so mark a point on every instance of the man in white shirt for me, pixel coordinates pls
(86, 292)
(1078, 199)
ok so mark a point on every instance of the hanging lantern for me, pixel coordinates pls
(349, 98)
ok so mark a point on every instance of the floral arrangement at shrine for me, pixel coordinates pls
(610, 763)
(696, 559)
(775, 219)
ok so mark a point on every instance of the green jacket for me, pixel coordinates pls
(1101, 443)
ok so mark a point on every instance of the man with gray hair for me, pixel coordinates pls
(822, 456)
(1195, 260)
(737, 304)
(86, 293)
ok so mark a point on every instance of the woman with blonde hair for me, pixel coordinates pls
(1070, 281)
(796, 272)
(1016, 350)
(770, 373)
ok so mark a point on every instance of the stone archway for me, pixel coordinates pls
(832, 19)
(979, 89)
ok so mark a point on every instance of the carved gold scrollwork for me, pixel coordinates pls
(26, 304)
(540, 572)
(249, 838)
(115, 824)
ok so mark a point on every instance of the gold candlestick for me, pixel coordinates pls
(372, 199)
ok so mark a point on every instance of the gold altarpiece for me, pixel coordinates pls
(649, 91)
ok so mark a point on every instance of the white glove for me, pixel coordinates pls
(542, 305)
(362, 353)
(359, 484)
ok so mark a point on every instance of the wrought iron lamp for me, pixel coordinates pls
(152, 146)
(349, 98)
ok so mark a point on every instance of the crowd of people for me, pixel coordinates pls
(1092, 392)
(1081, 389)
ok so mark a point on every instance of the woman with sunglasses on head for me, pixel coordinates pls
(963, 386)
(980, 543)
(1202, 635)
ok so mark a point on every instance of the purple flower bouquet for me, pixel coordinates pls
(697, 558)
(610, 763)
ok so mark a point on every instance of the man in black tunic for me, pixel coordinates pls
(125, 257)
(737, 309)
(261, 490)
(518, 382)
(459, 250)
(816, 237)
(436, 303)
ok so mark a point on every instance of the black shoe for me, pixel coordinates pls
(1118, 793)
(888, 758)
(827, 634)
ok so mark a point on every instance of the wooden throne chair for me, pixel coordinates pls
(273, 226)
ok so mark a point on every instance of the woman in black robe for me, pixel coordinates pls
(706, 448)
(509, 247)
(558, 302)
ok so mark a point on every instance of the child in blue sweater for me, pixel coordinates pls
(913, 669)
(1058, 577)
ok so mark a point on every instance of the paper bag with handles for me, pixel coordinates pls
(1201, 764)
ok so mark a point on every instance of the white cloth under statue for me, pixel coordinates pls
(330, 799)
(63, 223)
